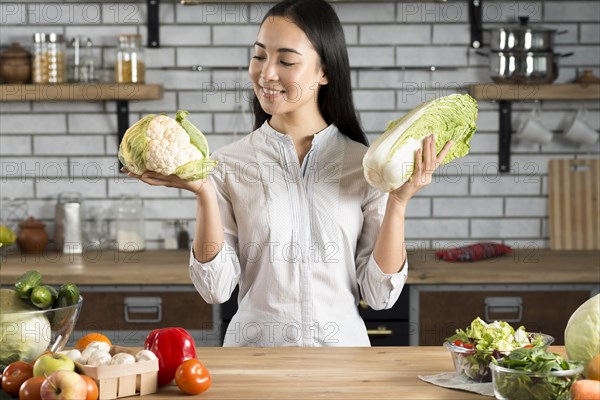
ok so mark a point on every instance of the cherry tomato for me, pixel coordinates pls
(468, 345)
(30, 389)
(192, 377)
(529, 346)
(458, 343)
(92, 388)
(14, 375)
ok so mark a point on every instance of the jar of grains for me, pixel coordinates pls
(130, 66)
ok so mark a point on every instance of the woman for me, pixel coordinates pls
(288, 214)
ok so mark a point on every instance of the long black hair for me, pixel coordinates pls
(320, 23)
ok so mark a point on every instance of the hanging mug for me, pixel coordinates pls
(578, 129)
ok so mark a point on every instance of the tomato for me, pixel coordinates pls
(92, 388)
(172, 346)
(192, 377)
(14, 375)
(30, 389)
(469, 346)
(458, 343)
(529, 346)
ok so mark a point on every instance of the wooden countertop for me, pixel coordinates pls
(162, 267)
(324, 373)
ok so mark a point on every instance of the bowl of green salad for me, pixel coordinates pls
(534, 374)
(474, 348)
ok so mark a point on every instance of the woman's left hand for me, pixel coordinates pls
(426, 162)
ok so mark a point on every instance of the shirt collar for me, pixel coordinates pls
(318, 137)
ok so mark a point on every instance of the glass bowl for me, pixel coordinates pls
(512, 384)
(26, 335)
(473, 364)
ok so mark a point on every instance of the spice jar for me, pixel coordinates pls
(130, 224)
(15, 64)
(40, 59)
(32, 237)
(130, 66)
(49, 58)
(56, 58)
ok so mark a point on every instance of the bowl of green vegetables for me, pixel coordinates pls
(534, 374)
(474, 348)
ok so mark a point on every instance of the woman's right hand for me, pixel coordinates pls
(156, 179)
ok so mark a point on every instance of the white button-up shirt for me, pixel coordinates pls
(298, 240)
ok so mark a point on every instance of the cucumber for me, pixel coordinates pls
(26, 282)
(43, 297)
(68, 295)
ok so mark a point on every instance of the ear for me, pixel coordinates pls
(323, 80)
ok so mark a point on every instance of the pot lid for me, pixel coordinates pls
(15, 51)
(31, 223)
(524, 26)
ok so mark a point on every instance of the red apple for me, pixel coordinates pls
(63, 385)
(49, 363)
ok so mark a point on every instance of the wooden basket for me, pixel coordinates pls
(116, 381)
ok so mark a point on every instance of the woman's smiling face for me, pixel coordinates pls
(285, 69)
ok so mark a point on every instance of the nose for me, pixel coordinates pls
(269, 71)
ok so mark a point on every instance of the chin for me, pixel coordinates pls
(63, 385)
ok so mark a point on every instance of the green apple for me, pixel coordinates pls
(48, 363)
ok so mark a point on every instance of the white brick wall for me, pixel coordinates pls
(50, 147)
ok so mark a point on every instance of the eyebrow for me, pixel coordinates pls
(280, 50)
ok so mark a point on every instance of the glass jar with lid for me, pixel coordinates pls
(40, 59)
(130, 224)
(49, 64)
(130, 66)
(55, 50)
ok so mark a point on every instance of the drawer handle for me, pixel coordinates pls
(143, 305)
(380, 331)
(504, 305)
(363, 304)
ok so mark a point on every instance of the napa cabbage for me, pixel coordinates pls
(389, 161)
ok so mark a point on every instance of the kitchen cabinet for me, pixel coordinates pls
(126, 314)
(549, 282)
(437, 311)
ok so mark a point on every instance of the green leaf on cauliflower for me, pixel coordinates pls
(167, 146)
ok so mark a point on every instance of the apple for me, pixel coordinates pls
(63, 385)
(48, 363)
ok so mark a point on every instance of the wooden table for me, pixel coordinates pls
(324, 373)
(164, 267)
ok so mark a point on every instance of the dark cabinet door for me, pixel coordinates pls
(442, 312)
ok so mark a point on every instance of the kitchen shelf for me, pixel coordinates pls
(80, 92)
(122, 93)
(505, 94)
(566, 91)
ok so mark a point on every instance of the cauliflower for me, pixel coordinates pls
(167, 146)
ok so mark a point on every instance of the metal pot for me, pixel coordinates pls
(523, 37)
(524, 67)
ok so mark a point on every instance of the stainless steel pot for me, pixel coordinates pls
(523, 37)
(524, 67)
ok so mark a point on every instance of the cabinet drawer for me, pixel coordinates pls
(387, 333)
(442, 312)
(114, 310)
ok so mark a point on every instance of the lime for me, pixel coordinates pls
(43, 297)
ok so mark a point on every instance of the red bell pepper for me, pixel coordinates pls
(172, 346)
